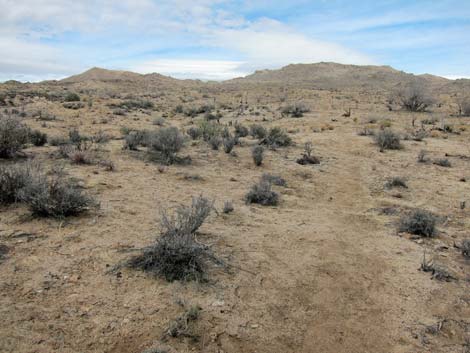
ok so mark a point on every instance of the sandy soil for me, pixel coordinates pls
(325, 271)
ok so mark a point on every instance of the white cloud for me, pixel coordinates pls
(202, 69)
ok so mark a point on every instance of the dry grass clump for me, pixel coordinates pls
(183, 325)
(262, 193)
(13, 136)
(177, 255)
(419, 222)
(388, 140)
(396, 182)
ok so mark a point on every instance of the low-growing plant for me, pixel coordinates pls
(228, 207)
(165, 143)
(274, 179)
(183, 325)
(423, 157)
(160, 121)
(307, 156)
(295, 110)
(55, 197)
(257, 153)
(465, 247)
(388, 140)
(419, 222)
(443, 162)
(240, 130)
(262, 193)
(13, 178)
(71, 97)
(229, 142)
(37, 138)
(258, 131)
(276, 137)
(215, 142)
(13, 136)
(177, 255)
(396, 182)
(194, 132)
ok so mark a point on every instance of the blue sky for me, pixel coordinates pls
(217, 39)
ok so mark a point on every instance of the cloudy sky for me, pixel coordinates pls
(218, 39)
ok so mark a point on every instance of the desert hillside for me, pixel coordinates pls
(316, 208)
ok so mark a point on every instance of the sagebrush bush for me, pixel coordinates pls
(37, 138)
(258, 131)
(240, 130)
(388, 140)
(274, 179)
(55, 197)
(276, 137)
(13, 178)
(177, 255)
(165, 143)
(257, 153)
(396, 182)
(419, 222)
(13, 136)
(307, 157)
(295, 110)
(209, 130)
(262, 193)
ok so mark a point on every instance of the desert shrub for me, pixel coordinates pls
(295, 110)
(77, 156)
(135, 104)
(165, 143)
(274, 179)
(228, 207)
(183, 325)
(258, 131)
(12, 179)
(276, 137)
(443, 162)
(13, 136)
(240, 130)
(257, 154)
(307, 157)
(160, 121)
(194, 132)
(37, 138)
(465, 247)
(133, 140)
(422, 157)
(229, 142)
(73, 105)
(366, 131)
(414, 98)
(209, 130)
(55, 197)
(262, 193)
(396, 182)
(100, 137)
(72, 97)
(177, 255)
(58, 141)
(419, 222)
(388, 140)
(215, 142)
(464, 105)
(108, 165)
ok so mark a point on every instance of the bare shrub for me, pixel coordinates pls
(12, 179)
(165, 144)
(419, 222)
(258, 131)
(13, 136)
(366, 131)
(307, 157)
(257, 154)
(414, 98)
(388, 140)
(133, 140)
(262, 193)
(55, 197)
(177, 255)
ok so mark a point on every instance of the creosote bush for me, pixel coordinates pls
(262, 193)
(55, 197)
(177, 255)
(388, 140)
(13, 136)
(257, 154)
(419, 222)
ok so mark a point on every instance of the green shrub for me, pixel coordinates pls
(258, 131)
(72, 97)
